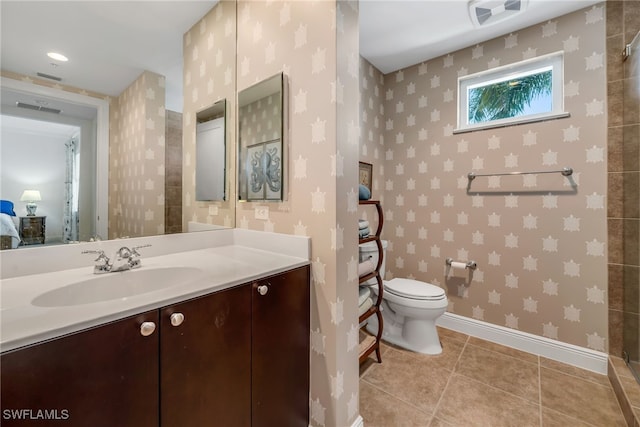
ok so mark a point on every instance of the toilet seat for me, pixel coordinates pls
(414, 289)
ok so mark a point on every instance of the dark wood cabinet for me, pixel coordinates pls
(238, 357)
(105, 376)
(32, 229)
(205, 360)
(280, 350)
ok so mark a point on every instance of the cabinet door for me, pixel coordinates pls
(205, 361)
(105, 376)
(280, 350)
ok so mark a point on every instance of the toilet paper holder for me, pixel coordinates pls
(471, 265)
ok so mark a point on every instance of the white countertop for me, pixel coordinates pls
(218, 268)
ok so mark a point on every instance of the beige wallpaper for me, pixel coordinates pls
(136, 159)
(316, 45)
(209, 76)
(540, 244)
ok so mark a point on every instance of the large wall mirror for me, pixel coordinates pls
(211, 153)
(134, 175)
(261, 145)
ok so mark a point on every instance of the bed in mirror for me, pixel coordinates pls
(129, 185)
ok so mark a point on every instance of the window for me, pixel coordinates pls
(527, 91)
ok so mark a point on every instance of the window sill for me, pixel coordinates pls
(483, 126)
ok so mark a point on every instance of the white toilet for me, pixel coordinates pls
(409, 308)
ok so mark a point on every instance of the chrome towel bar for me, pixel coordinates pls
(564, 171)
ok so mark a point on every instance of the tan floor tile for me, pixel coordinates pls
(451, 350)
(467, 402)
(379, 409)
(448, 333)
(631, 389)
(551, 418)
(580, 399)
(621, 368)
(506, 373)
(436, 422)
(414, 380)
(498, 348)
(575, 371)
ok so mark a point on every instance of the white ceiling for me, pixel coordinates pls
(395, 34)
(109, 43)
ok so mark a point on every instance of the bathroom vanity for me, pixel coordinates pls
(217, 350)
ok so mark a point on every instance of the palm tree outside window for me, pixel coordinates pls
(527, 91)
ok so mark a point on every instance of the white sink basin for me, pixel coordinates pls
(111, 286)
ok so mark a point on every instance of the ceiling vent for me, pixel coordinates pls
(49, 76)
(489, 12)
(38, 108)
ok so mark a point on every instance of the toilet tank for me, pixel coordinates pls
(370, 249)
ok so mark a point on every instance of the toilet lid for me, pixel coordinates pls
(413, 289)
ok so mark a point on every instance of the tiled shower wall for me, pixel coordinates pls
(623, 23)
(136, 159)
(539, 241)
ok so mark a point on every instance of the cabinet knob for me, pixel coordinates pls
(177, 319)
(263, 289)
(147, 328)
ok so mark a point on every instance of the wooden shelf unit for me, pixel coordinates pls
(370, 343)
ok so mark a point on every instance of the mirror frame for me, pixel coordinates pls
(276, 84)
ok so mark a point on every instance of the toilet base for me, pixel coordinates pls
(422, 334)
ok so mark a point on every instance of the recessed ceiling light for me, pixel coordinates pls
(57, 56)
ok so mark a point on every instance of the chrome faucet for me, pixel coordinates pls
(125, 259)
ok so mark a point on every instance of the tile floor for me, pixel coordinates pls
(627, 390)
(479, 383)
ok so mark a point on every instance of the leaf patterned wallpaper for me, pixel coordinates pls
(137, 159)
(539, 241)
(316, 45)
(209, 51)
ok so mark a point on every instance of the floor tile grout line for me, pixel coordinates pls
(453, 371)
(576, 376)
(531, 402)
(571, 416)
(520, 359)
(540, 390)
(400, 399)
(557, 371)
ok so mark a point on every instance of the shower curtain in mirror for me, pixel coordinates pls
(70, 214)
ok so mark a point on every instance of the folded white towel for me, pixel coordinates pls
(364, 292)
(366, 267)
(362, 223)
(364, 306)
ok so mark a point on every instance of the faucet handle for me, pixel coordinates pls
(101, 263)
(100, 252)
(134, 250)
(124, 252)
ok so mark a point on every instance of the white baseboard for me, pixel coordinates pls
(359, 422)
(570, 354)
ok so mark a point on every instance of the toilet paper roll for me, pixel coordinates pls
(456, 264)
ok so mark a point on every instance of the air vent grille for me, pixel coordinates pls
(49, 76)
(38, 108)
(487, 12)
